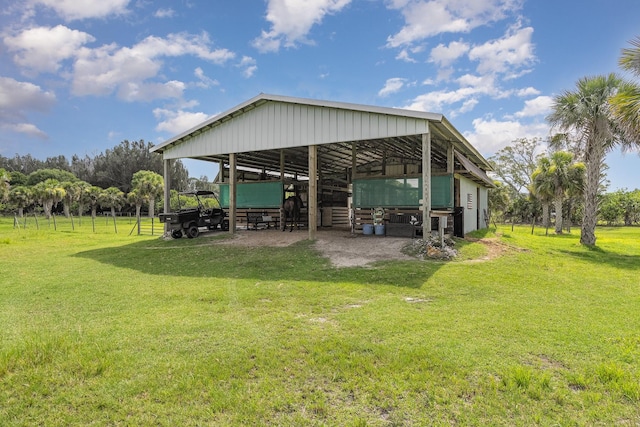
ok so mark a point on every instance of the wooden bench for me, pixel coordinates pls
(255, 218)
(403, 225)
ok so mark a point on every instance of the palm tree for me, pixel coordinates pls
(586, 111)
(21, 196)
(136, 198)
(112, 197)
(49, 193)
(575, 189)
(626, 103)
(149, 185)
(565, 174)
(71, 189)
(4, 184)
(542, 187)
(94, 194)
(82, 196)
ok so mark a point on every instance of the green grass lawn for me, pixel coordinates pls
(98, 328)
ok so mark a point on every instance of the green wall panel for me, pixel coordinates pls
(254, 195)
(402, 192)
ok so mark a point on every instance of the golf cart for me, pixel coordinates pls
(187, 221)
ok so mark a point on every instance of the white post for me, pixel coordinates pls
(426, 185)
(313, 191)
(167, 190)
(232, 192)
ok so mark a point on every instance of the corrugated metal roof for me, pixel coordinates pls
(257, 129)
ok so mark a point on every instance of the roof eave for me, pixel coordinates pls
(261, 98)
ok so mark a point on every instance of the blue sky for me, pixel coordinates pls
(78, 77)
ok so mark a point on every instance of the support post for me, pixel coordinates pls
(426, 185)
(282, 165)
(354, 166)
(167, 191)
(313, 191)
(354, 160)
(451, 171)
(232, 192)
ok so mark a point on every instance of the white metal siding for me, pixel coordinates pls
(484, 205)
(470, 210)
(281, 125)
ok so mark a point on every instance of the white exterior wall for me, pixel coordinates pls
(484, 205)
(469, 201)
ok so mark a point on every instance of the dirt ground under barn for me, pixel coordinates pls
(344, 249)
(341, 247)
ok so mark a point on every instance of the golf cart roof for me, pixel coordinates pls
(199, 193)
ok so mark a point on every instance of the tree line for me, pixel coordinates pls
(47, 188)
(534, 186)
(600, 114)
(112, 168)
(126, 175)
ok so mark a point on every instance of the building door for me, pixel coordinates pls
(478, 204)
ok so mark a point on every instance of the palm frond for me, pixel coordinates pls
(630, 58)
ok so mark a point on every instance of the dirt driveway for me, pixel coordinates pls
(341, 247)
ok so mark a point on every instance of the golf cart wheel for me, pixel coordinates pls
(176, 234)
(224, 226)
(192, 232)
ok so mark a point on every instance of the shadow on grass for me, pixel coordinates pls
(299, 262)
(596, 255)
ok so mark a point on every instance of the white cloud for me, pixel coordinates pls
(175, 122)
(392, 85)
(490, 135)
(28, 129)
(513, 51)
(42, 49)
(292, 20)
(468, 105)
(17, 99)
(204, 81)
(536, 107)
(435, 101)
(405, 56)
(249, 66)
(427, 18)
(110, 68)
(471, 87)
(141, 91)
(164, 13)
(444, 56)
(528, 91)
(21, 96)
(182, 44)
(73, 9)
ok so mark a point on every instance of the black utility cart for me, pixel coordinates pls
(188, 221)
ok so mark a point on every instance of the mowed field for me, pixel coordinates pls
(99, 328)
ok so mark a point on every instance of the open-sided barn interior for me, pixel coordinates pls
(349, 163)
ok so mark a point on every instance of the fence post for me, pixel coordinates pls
(152, 223)
(533, 224)
(115, 226)
(138, 220)
(16, 224)
(55, 224)
(73, 228)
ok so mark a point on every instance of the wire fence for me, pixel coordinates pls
(99, 224)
